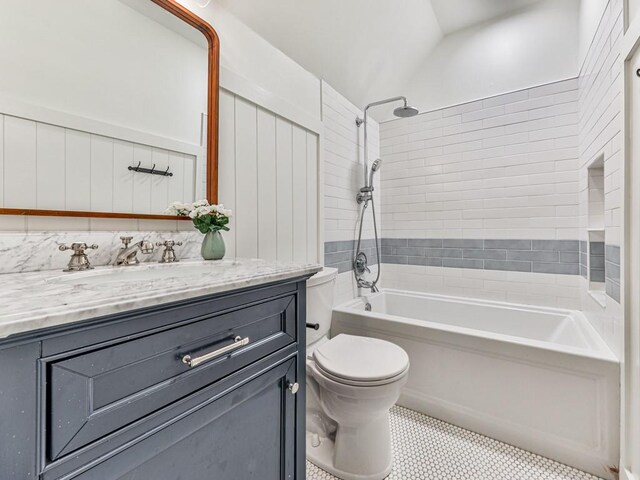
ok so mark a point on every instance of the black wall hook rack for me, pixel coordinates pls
(152, 170)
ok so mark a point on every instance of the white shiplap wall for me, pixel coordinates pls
(50, 167)
(268, 174)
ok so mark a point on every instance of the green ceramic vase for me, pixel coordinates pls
(213, 246)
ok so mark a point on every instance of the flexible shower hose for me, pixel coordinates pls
(361, 282)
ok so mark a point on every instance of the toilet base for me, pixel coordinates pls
(366, 457)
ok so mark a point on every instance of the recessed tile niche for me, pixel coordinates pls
(595, 227)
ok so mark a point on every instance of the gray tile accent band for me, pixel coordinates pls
(540, 256)
(340, 254)
(566, 257)
(612, 271)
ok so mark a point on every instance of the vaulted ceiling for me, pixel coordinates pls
(366, 49)
(454, 15)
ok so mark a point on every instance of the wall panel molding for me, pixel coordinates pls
(268, 171)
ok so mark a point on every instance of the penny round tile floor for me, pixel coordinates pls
(425, 448)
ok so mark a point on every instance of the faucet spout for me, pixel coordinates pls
(128, 255)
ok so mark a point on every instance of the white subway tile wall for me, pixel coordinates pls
(601, 123)
(542, 289)
(343, 161)
(600, 134)
(503, 167)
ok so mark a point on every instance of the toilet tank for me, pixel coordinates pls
(320, 302)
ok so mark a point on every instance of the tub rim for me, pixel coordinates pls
(602, 352)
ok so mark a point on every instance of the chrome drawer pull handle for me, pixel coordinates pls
(237, 343)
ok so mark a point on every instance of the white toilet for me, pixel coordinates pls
(352, 382)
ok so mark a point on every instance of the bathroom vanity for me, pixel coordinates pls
(150, 373)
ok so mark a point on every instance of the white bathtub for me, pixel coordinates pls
(538, 378)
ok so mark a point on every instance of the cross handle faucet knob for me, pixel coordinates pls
(77, 247)
(169, 243)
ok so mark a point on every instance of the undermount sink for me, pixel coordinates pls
(138, 273)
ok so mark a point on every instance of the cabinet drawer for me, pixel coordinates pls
(96, 393)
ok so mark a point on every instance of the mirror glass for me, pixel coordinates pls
(102, 107)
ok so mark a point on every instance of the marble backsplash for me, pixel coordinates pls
(29, 252)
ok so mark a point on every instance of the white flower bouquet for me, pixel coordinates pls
(206, 218)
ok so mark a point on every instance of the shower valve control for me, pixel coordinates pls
(360, 264)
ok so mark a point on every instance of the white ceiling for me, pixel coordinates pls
(454, 15)
(366, 49)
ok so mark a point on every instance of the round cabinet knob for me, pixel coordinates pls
(293, 387)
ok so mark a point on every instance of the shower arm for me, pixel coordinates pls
(360, 121)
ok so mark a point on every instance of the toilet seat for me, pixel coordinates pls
(360, 361)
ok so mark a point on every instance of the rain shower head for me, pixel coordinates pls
(405, 111)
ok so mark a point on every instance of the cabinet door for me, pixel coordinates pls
(248, 433)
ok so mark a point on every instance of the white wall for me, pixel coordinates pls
(250, 56)
(590, 14)
(103, 61)
(534, 46)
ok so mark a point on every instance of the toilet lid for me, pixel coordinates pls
(361, 359)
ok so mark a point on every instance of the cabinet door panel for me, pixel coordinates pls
(246, 434)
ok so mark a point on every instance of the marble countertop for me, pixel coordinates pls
(36, 300)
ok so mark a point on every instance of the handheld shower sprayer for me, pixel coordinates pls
(375, 166)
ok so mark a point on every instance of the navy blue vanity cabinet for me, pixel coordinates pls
(115, 397)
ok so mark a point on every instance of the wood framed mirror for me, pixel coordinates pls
(109, 108)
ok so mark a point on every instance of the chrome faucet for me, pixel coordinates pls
(128, 255)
